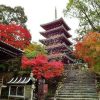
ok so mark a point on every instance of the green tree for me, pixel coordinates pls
(34, 49)
(88, 13)
(12, 15)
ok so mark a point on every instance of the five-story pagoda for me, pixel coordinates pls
(57, 42)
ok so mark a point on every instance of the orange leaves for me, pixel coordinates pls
(91, 38)
(80, 50)
(87, 59)
(97, 48)
(89, 48)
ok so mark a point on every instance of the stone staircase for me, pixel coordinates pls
(77, 85)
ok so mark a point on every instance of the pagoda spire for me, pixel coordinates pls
(55, 13)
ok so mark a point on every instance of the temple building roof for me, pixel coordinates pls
(54, 24)
(20, 81)
(7, 51)
(56, 39)
(58, 30)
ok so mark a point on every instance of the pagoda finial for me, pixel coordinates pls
(55, 13)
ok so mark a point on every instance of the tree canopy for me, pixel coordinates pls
(88, 13)
(89, 50)
(42, 68)
(14, 15)
(34, 49)
(35, 58)
(12, 26)
(15, 35)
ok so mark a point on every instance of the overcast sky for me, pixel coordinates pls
(40, 12)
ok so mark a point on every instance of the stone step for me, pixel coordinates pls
(66, 87)
(77, 73)
(78, 85)
(78, 88)
(91, 93)
(92, 89)
(80, 76)
(76, 91)
(77, 98)
(80, 79)
(79, 82)
(81, 89)
(91, 78)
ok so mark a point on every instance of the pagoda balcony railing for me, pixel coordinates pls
(59, 55)
(54, 39)
(51, 40)
(58, 30)
(57, 45)
(57, 36)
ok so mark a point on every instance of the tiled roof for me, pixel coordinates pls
(54, 24)
(7, 51)
(21, 80)
(58, 30)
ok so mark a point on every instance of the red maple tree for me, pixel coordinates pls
(41, 68)
(15, 35)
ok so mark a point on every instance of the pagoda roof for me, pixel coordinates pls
(60, 55)
(7, 51)
(20, 81)
(54, 24)
(56, 39)
(59, 46)
(58, 30)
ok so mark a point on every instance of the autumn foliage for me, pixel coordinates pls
(34, 49)
(15, 35)
(41, 68)
(89, 50)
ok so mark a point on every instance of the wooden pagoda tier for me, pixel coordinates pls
(54, 24)
(57, 42)
(56, 31)
(56, 39)
(8, 52)
(61, 56)
(59, 47)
